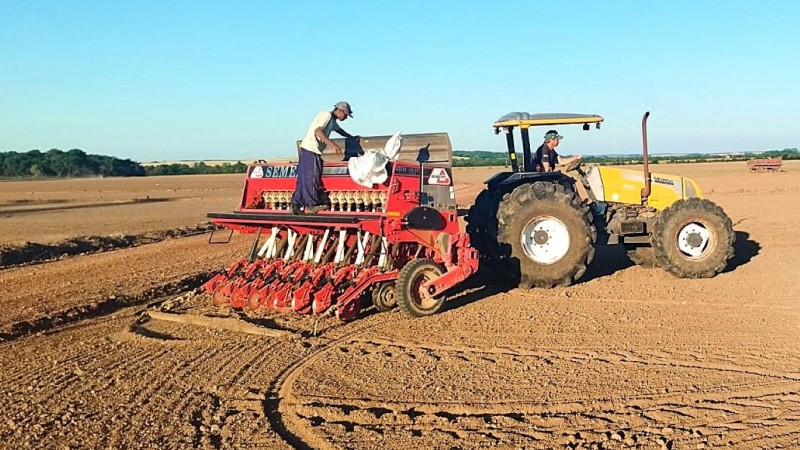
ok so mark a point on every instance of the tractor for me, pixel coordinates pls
(540, 229)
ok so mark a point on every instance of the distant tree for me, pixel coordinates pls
(73, 163)
(198, 168)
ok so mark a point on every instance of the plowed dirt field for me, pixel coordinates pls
(626, 358)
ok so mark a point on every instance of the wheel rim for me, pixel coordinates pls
(219, 298)
(545, 240)
(254, 301)
(694, 240)
(419, 295)
(386, 296)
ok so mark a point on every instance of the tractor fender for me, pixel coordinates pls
(505, 182)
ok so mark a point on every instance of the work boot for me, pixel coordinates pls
(317, 208)
(296, 210)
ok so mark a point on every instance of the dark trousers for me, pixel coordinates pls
(309, 179)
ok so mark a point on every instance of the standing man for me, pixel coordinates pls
(546, 156)
(308, 193)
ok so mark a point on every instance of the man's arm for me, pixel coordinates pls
(321, 136)
(345, 133)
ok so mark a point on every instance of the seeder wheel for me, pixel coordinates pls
(254, 300)
(412, 299)
(220, 297)
(238, 297)
(383, 297)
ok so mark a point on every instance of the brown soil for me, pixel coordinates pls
(56, 210)
(34, 252)
(627, 358)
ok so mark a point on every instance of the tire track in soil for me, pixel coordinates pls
(705, 416)
(193, 404)
(479, 425)
(153, 386)
(280, 405)
(217, 408)
(104, 307)
(241, 399)
(77, 357)
(196, 406)
(79, 388)
(33, 372)
(183, 391)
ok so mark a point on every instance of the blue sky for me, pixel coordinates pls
(167, 80)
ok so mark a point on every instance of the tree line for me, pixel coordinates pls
(76, 163)
(61, 164)
(199, 168)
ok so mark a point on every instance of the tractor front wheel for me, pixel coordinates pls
(412, 299)
(693, 238)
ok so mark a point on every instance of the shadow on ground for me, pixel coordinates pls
(744, 249)
(481, 285)
(608, 259)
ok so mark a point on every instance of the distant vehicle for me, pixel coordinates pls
(765, 165)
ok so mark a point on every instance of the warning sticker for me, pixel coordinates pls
(258, 172)
(439, 176)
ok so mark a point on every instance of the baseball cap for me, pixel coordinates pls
(553, 134)
(344, 106)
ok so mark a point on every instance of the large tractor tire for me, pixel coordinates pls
(482, 225)
(411, 298)
(546, 235)
(693, 238)
(642, 255)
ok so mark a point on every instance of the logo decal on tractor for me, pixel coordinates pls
(439, 176)
(660, 180)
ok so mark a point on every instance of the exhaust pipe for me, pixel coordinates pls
(647, 178)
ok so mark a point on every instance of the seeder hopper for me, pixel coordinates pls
(394, 243)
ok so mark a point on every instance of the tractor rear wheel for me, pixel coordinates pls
(411, 298)
(546, 235)
(383, 297)
(693, 238)
(641, 255)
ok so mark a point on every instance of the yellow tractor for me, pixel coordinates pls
(541, 228)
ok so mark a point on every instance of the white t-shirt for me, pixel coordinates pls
(327, 122)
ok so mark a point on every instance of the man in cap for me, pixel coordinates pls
(307, 196)
(546, 156)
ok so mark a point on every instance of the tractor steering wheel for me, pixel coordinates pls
(572, 165)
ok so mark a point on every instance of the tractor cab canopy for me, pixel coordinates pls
(525, 120)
